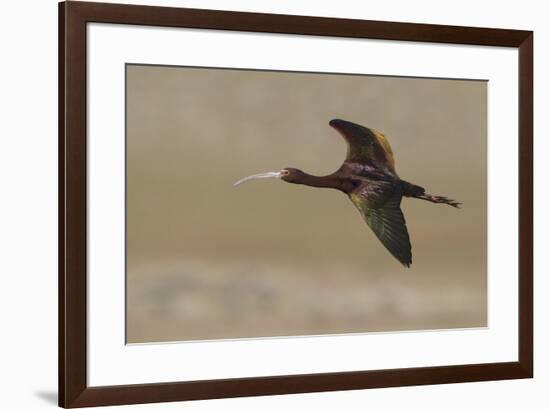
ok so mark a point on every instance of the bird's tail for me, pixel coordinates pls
(418, 192)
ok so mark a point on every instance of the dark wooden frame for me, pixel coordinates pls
(73, 388)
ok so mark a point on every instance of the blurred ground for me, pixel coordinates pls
(192, 300)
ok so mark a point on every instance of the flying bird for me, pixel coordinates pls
(369, 179)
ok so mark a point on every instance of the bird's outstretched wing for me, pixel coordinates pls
(366, 146)
(388, 223)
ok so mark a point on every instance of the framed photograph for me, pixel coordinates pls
(255, 204)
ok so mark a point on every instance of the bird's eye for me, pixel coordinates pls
(285, 172)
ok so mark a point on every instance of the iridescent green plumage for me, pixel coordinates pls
(388, 224)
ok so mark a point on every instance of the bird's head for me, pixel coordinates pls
(290, 175)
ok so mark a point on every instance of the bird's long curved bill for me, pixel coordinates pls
(267, 175)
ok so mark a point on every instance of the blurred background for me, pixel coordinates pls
(206, 260)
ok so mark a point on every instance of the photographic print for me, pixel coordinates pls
(364, 207)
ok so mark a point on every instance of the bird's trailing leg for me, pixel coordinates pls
(439, 199)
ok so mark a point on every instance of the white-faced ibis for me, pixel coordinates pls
(369, 179)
